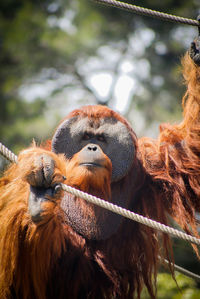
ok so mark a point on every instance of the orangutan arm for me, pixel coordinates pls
(36, 168)
(173, 160)
(21, 234)
(191, 100)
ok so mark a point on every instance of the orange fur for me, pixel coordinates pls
(27, 252)
(18, 248)
(81, 178)
(50, 260)
(173, 159)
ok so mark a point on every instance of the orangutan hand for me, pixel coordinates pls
(194, 51)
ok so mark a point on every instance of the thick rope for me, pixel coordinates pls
(131, 215)
(114, 208)
(6, 153)
(149, 12)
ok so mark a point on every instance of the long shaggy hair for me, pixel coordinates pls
(50, 260)
(173, 159)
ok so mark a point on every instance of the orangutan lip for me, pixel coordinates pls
(90, 164)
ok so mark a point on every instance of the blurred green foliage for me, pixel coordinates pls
(31, 40)
(167, 288)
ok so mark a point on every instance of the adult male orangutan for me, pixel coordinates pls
(55, 245)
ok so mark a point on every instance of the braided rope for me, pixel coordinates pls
(149, 12)
(6, 153)
(131, 215)
(114, 208)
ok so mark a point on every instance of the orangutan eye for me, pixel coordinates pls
(86, 136)
(101, 138)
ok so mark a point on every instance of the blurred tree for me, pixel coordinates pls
(22, 24)
(53, 52)
(40, 41)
